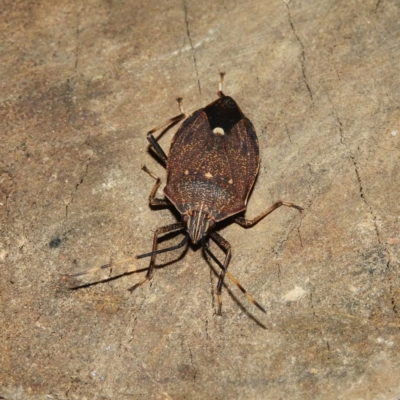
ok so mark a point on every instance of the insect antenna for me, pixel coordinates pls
(153, 253)
(232, 278)
(114, 264)
(105, 266)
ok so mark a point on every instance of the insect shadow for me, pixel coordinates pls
(211, 168)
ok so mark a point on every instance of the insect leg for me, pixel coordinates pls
(243, 290)
(159, 231)
(152, 199)
(232, 278)
(227, 248)
(250, 222)
(168, 249)
(167, 124)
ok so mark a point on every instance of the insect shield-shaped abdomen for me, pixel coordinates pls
(212, 165)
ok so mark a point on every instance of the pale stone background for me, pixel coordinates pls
(82, 83)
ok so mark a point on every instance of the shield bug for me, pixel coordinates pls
(212, 165)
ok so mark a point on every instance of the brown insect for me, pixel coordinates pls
(211, 167)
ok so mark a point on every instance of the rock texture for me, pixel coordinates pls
(82, 83)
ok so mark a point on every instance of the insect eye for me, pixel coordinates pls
(211, 223)
(185, 218)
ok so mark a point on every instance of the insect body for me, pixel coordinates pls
(212, 166)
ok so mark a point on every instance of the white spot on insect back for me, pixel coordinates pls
(208, 175)
(230, 181)
(186, 172)
(219, 131)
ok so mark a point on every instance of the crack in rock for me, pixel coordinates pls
(77, 47)
(191, 45)
(76, 189)
(370, 209)
(191, 362)
(303, 54)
